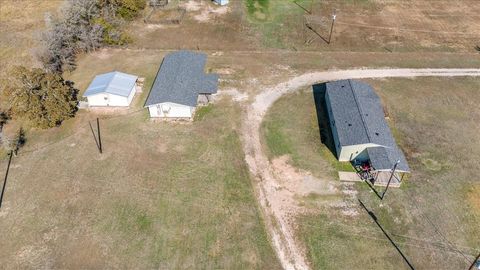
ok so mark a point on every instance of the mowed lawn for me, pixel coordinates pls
(433, 218)
(162, 195)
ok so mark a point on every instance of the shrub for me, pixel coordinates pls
(85, 25)
(44, 98)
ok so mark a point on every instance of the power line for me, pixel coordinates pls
(412, 199)
(384, 240)
(361, 25)
(23, 152)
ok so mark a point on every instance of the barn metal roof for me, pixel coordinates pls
(359, 118)
(116, 83)
(181, 78)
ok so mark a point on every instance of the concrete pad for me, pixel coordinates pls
(349, 177)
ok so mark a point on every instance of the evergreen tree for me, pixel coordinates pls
(44, 98)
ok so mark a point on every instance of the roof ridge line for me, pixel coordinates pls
(360, 111)
(109, 82)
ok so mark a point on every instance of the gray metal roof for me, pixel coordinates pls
(384, 158)
(116, 83)
(180, 79)
(359, 119)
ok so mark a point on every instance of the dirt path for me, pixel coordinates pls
(278, 202)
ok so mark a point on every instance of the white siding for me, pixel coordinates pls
(132, 94)
(350, 152)
(171, 110)
(106, 99)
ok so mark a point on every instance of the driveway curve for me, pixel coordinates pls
(275, 201)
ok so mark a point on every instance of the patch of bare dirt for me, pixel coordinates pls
(275, 186)
(204, 11)
(103, 54)
(300, 182)
(234, 94)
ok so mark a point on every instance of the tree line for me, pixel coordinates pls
(41, 95)
(85, 25)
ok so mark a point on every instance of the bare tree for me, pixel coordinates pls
(72, 33)
(85, 25)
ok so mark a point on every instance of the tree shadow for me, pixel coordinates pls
(326, 135)
(300, 6)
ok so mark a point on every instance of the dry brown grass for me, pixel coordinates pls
(21, 23)
(474, 198)
(365, 25)
(435, 122)
(162, 195)
(144, 202)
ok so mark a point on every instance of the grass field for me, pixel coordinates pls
(367, 25)
(21, 24)
(162, 195)
(361, 26)
(178, 195)
(283, 138)
(434, 122)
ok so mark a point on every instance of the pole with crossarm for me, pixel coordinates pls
(390, 179)
(334, 17)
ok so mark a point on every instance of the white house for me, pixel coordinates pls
(181, 85)
(114, 89)
(359, 129)
(221, 2)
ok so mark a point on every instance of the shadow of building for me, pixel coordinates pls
(326, 135)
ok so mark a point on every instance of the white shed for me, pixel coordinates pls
(115, 89)
(180, 85)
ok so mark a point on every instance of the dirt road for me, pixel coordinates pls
(278, 203)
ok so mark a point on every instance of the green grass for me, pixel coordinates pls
(162, 195)
(203, 112)
(431, 124)
(273, 20)
(294, 131)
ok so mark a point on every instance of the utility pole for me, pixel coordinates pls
(334, 17)
(390, 179)
(99, 137)
(6, 176)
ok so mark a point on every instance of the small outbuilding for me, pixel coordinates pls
(114, 89)
(180, 85)
(360, 132)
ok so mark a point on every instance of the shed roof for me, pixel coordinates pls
(359, 119)
(180, 79)
(116, 83)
